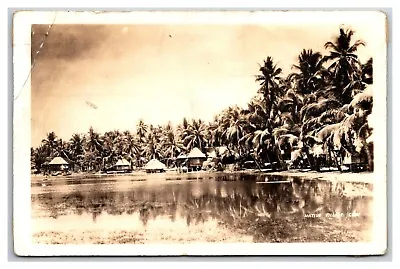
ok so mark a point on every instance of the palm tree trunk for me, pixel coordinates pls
(311, 161)
(278, 153)
(370, 157)
(258, 165)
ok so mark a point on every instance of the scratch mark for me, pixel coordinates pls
(91, 105)
(36, 54)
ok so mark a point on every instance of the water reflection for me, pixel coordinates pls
(276, 210)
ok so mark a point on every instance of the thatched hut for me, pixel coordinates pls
(195, 159)
(181, 160)
(122, 166)
(58, 164)
(154, 166)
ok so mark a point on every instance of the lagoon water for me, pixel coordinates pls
(211, 207)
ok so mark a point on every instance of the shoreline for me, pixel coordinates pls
(361, 177)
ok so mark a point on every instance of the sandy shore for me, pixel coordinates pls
(364, 177)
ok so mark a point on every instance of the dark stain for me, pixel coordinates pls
(91, 105)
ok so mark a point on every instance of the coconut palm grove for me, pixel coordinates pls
(315, 117)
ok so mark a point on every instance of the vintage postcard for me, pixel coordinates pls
(200, 133)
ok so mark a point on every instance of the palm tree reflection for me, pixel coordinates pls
(228, 202)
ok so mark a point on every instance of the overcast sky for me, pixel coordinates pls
(110, 76)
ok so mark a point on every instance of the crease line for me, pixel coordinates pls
(36, 54)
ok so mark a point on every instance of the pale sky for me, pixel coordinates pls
(110, 76)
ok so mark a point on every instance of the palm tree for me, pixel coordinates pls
(269, 81)
(152, 148)
(64, 149)
(39, 157)
(93, 148)
(131, 147)
(311, 71)
(172, 147)
(215, 133)
(351, 133)
(77, 148)
(271, 91)
(195, 135)
(234, 124)
(51, 144)
(367, 72)
(183, 129)
(345, 65)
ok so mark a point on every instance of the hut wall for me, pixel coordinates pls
(195, 162)
(59, 167)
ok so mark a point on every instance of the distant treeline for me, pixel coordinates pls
(319, 111)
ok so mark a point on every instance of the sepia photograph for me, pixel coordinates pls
(200, 133)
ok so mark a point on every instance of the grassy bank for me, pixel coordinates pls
(155, 232)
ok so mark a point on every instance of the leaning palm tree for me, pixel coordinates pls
(345, 65)
(234, 125)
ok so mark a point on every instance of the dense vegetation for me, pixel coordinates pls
(317, 113)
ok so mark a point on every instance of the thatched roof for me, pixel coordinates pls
(181, 156)
(122, 162)
(154, 165)
(58, 161)
(213, 152)
(196, 153)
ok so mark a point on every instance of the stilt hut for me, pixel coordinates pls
(195, 159)
(122, 166)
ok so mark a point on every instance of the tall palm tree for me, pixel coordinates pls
(311, 70)
(141, 130)
(345, 65)
(269, 81)
(271, 91)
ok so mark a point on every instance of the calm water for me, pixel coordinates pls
(290, 210)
